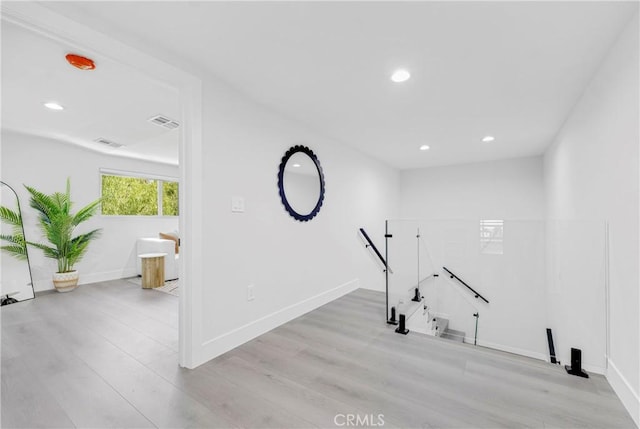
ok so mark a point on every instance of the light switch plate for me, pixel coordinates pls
(250, 293)
(237, 204)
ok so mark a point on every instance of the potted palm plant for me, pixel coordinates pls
(57, 223)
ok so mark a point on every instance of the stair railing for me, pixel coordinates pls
(475, 335)
(368, 244)
(416, 289)
(477, 294)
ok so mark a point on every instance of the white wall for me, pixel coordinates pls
(236, 151)
(576, 303)
(451, 200)
(513, 282)
(242, 144)
(291, 263)
(592, 173)
(45, 164)
(509, 189)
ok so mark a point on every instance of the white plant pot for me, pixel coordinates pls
(66, 282)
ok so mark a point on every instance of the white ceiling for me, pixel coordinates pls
(510, 69)
(110, 102)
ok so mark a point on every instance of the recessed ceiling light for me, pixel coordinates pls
(424, 147)
(400, 75)
(296, 165)
(53, 106)
(488, 139)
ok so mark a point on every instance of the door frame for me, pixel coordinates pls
(45, 22)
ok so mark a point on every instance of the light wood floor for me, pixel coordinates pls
(105, 355)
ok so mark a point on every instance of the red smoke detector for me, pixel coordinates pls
(83, 63)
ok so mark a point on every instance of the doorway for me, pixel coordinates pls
(44, 22)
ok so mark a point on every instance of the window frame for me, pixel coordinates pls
(487, 241)
(159, 178)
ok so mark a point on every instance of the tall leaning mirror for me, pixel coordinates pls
(16, 283)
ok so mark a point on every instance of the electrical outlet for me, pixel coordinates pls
(237, 204)
(250, 293)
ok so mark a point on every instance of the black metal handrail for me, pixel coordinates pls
(421, 281)
(373, 246)
(453, 276)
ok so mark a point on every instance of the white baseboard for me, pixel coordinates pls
(106, 276)
(585, 366)
(565, 358)
(532, 354)
(232, 339)
(374, 288)
(508, 349)
(590, 368)
(42, 285)
(629, 398)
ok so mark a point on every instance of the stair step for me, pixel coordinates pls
(410, 308)
(452, 334)
(442, 324)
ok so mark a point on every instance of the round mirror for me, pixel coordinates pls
(301, 183)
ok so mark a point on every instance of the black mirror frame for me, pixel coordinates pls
(293, 150)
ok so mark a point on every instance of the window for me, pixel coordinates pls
(491, 237)
(128, 195)
(170, 198)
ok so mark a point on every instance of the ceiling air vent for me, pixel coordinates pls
(165, 122)
(106, 142)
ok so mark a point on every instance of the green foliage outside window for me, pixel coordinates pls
(133, 196)
(170, 198)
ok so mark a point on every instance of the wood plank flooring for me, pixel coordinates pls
(105, 355)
